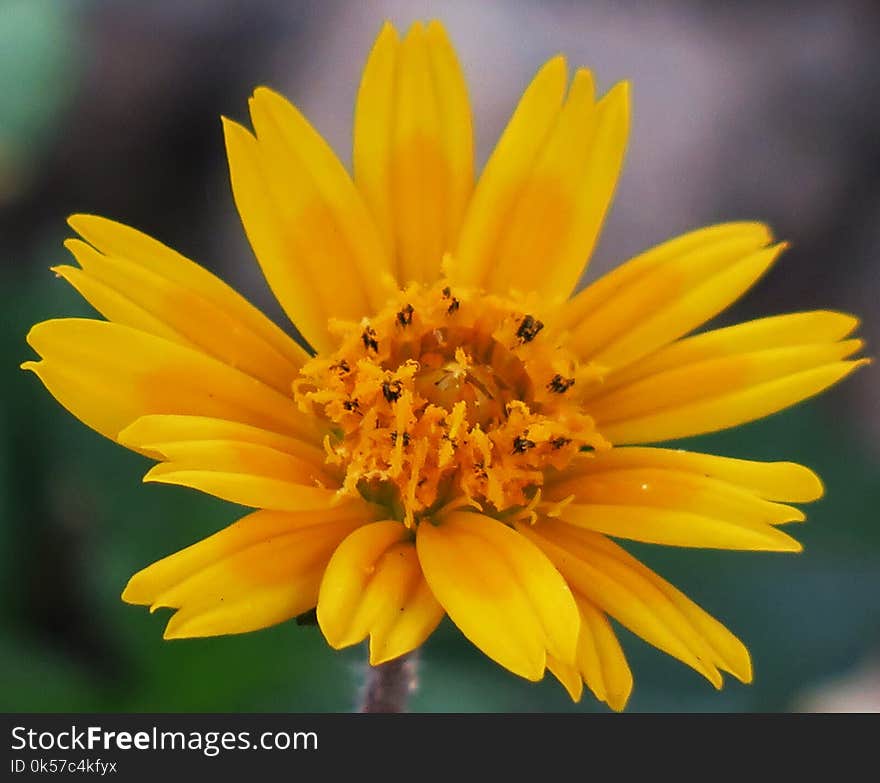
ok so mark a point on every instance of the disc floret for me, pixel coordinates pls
(449, 394)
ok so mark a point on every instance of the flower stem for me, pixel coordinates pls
(389, 685)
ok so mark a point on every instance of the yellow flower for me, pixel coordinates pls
(461, 440)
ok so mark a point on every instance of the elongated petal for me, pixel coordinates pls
(342, 615)
(819, 327)
(718, 393)
(568, 675)
(543, 214)
(374, 115)
(262, 570)
(147, 585)
(561, 207)
(610, 285)
(669, 298)
(600, 659)
(186, 279)
(137, 295)
(246, 489)
(625, 593)
(149, 432)
(374, 587)
(784, 481)
(395, 633)
(729, 653)
(456, 130)
(499, 589)
(687, 311)
(110, 303)
(311, 233)
(678, 528)
(413, 146)
(506, 172)
(676, 508)
(108, 375)
(643, 486)
(244, 473)
(550, 184)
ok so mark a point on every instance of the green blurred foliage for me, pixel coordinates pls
(39, 62)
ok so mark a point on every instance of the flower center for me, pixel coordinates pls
(448, 396)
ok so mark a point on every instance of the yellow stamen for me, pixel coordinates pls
(448, 396)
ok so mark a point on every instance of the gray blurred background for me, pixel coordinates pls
(749, 110)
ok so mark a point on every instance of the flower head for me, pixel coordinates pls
(462, 437)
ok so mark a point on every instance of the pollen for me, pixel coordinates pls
(449, 397)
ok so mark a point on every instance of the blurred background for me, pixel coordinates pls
(741, 111)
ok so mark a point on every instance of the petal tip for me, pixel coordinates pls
(81, 222)
(815, 488)
(794, 546)
(416, 28)
(159, 474)
(556, 66)
(436, 27)
(172, 633)
(617, 701)
(849, 322)
(134, 593)
(77, 219)
(380, 653)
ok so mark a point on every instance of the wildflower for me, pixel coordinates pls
(467, 435)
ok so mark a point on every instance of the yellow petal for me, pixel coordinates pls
(342, 614)
(600, 659)
(651, 487)
(719, 393)
(543, 214)
(413, 147)
(729, 653)
(262, 570)
(113, 305)
(568, 675)
(499, 589)
(540, 203)
(148, 432)
(506, 172)
(374, 587)
(674, 508)
(393, 635)
(782, 331)
(456, 131)
(624, 593)
(109, 375)
(373, 120)
(678, 528)
(745, 237)
(136, 295)
(786, 481)
(670, 299)
(244, 473)
(115, 240)
(313, 236)
(147, 585)
(562, 203)
(686, 312)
